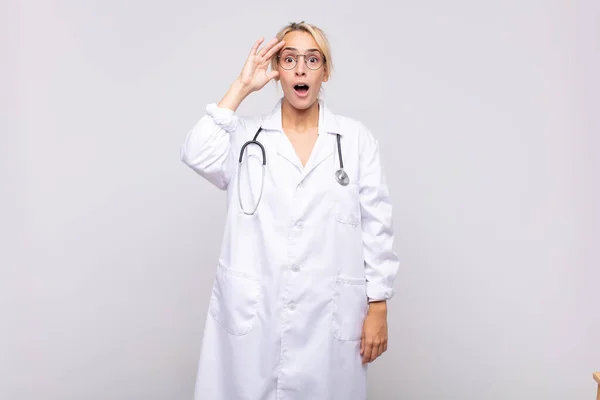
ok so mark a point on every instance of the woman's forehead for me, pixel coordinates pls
(300, 41)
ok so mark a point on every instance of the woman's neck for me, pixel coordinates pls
(299, 121)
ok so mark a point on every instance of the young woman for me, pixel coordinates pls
(298, 306)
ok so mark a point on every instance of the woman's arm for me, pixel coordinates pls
(207, 147)
(381, 262)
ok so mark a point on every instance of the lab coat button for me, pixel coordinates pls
(299, 224)
(295, 268)
(291, 306)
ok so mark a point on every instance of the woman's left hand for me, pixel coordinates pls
(374, 335)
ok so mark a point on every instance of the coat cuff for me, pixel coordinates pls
(223, 117)
(379, 293)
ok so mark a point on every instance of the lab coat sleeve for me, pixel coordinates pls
(207, 148)
(381, 262)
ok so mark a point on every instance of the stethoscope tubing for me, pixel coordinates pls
(340, 175)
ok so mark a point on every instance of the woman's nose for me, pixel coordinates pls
(300, 68)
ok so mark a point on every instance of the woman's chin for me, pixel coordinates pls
(300, 102)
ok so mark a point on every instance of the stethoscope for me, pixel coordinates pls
(340, 175)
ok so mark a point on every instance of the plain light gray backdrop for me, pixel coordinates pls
(487, 116)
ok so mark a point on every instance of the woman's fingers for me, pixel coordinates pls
(372, 354)
(254, 49)
(376, 351)
(368, 351)
(274, 49)
(371, 349)
(362, 343)
(267, 47)
(254, 73)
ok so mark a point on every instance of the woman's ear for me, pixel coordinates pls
(277, 77)
(326, 75)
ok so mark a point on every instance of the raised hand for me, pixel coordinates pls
(255, 75)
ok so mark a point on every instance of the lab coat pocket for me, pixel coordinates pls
(234, 300)
(347, 204)
(350, 306)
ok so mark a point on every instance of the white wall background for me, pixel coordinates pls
(488, 117)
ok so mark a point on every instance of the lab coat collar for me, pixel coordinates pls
(324, 145)
(327, 121)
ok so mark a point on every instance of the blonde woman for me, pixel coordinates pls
(299, 303)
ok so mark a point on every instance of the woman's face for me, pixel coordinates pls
(300, 82)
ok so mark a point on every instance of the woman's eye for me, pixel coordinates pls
(313, 59)
(289, 59)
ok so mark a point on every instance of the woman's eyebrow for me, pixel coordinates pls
(295, 49)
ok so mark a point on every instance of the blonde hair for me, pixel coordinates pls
(319, 37)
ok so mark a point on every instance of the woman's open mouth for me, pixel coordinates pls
(301, 90)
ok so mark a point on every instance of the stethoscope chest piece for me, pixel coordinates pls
(342, 177)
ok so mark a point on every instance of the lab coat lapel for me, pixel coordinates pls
(322, 150)
(326, 141)
(285, 149)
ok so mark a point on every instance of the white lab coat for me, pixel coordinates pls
(293, 280)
